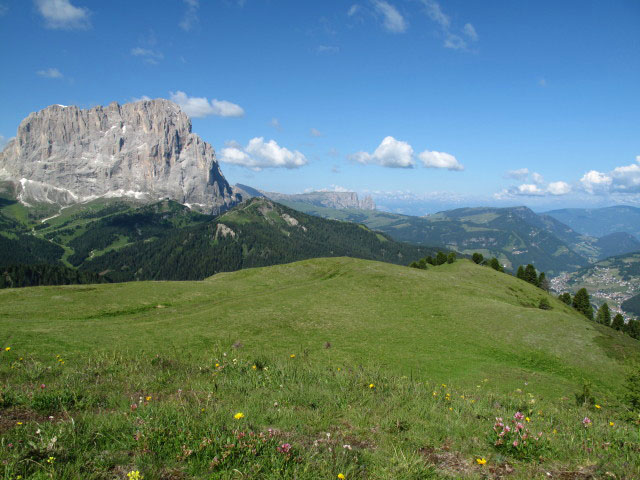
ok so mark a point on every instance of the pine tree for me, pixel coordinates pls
(582, 303)
(520, 273)
(530, 275)
(543, 283)
(604, 315)
(441, 258)
(495, 264)
(451, 257)
(565, 297)
(477, 258)
(618, 322)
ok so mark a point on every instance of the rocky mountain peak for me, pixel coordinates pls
(145, 149)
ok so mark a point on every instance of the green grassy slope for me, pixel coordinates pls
(148, 376)
(455, 322)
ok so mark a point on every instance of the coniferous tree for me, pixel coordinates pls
(495, 264)
(632, 328)
(422, 264)
(604, 315)
(477, 258)
(430, 260)
(618, 322)
(582, 303)
(451, 257)
(441, 258)
(565, 298)
(530, 275)
(543, 283)
(520, 273)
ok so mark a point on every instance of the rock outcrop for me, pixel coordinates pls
(145, 149)
(339, 200)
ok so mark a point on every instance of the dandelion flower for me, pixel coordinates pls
(148, 398)
(611, 424)
(341, 476)
(371, 385)
(293, 355)
(217, 365)
(481, 461)
(255, 367)
(7, 349)
(598, 406)
(239, 416)
(18, 423)
(527, 419)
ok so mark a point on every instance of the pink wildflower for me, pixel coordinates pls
(515, 443)
(284, 448)
(586, 422)
(519, 416)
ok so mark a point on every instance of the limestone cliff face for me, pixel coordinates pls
(339, 200)
(144, 149)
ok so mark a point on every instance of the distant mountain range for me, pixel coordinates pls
(598, 222)
(339, 200)
(516, 236)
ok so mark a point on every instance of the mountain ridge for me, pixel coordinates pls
(146, 150)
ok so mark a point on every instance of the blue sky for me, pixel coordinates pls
(427, 104)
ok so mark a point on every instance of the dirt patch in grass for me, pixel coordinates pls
(15, 417)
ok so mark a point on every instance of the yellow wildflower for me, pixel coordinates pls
(293, 355)
(481, 461)
(371, 385)
(7, 349)
(527, 419)
(444, 385)
(341, 476)
(50, 460)
(18, 423)
(598, 406)
(239, 416)
(217, 365)
(255, 367)
(611, 424)
(134, 475)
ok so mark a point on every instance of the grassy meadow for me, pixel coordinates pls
(312, 370)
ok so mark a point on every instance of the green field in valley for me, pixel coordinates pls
(337, 365)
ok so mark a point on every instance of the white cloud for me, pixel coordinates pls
(61, 14)
(199, 107)
(519, 174)
(275, 123)
(595, 182)
(470, 31)
(138, 99)
(558, 188)
(537, 178)
(332, 188)
(259, 154)
(440, 160)
(353, 10)
(190, 18)
(149, 55)
(451, 40)
(627, 178)
(314, 132)
(390, 153)
(50, 73)
(328, 49)
(392, 21)
(529, 189)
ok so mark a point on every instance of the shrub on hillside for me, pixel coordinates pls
(451, 257)
(633, 391)
(477, 258)
(495, 264)
(544, 304)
